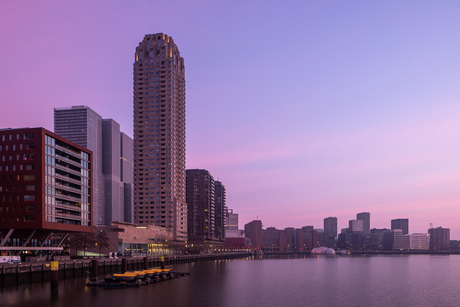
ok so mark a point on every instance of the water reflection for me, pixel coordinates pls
(415, 280)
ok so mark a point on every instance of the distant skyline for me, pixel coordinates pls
(304, 110)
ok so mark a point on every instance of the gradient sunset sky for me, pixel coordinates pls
(303, 109)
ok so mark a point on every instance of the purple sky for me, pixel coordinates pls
(303, 109)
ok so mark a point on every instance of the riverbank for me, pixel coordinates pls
(13, 274)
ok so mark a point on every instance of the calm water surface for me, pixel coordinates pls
(415, 280)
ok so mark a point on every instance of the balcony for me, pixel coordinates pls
(68, 197)
(68, 206)
(70, 161)
(68, 170)
(70, 152)
(68, 216)
(68, 179)
(68, 188)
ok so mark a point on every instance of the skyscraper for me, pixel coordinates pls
(366, 218)
(159, 135)
(113, 160)
(400, 224)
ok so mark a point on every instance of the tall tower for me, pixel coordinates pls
(400, 224)
(159, 135)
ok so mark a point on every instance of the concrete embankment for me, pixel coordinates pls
(13, 274)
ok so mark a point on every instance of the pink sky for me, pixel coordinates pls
(303, 110)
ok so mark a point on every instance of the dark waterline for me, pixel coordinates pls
(409, 280)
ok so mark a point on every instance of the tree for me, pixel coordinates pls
(82, 241)
(101, 239)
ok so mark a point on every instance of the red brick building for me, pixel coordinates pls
(306, 238)
(273, 239)
(253, 231)
(45, 185)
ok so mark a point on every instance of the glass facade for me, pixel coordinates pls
(67, 188)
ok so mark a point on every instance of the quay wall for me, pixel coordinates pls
(13, 274)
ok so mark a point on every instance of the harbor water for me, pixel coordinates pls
(398, 280)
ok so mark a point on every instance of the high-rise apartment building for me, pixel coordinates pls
(400, 224)
(113, 160)
(220, 210)
(159, 135)
(366, 218)
(201, 206)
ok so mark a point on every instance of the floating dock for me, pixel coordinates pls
(135, 278)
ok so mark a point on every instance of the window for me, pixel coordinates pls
(29, 156)
(30, 145)
(29, 218)
(29, 135)
(30, 208)
(30, 187)
(29, 197)
(30, 166)
(29, 177)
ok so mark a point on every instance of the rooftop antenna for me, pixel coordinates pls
(431, 225)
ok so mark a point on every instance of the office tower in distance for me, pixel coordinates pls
(355, 225)
(400, 224)
(83, 126)
(117, 168)
(112, 160)
(201, 206)
(330, 227)
(330, 231)
(220, 209)
(232, 220)
(159, 135)
(366, 218)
